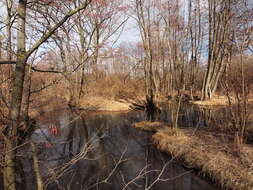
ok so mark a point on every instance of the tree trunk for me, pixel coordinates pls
(8, 30)
(16, 99)
(36, 167)
(12, 135)
(219, 15)
(95, 56)
(82, 59)
(27, 96)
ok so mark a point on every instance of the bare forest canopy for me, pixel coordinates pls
(56, 53)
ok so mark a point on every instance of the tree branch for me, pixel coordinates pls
(53, 29)
(6, 62)
(46, 71)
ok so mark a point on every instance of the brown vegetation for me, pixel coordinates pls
(212, 154)
(81, 67)
(209, 155)
(101, 104)
(215, 101)
(149, 126)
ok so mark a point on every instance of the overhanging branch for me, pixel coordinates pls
(4, 62)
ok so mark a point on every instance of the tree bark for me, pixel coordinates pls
(8, 30)
(16, 99)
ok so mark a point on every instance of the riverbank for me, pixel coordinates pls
(88, 103)
(212, 154)
(104, 104)
(215, 101)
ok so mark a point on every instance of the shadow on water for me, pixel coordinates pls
(102, 151)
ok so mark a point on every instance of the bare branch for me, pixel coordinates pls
(53, 29)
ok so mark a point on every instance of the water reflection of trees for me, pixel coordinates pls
(119, 157)
(195, 116)
(102, 151)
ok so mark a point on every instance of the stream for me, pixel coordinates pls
(102, 151)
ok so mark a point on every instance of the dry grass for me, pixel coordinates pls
(215, 101)
(218, 100)
(103, 104)
(149, 126)
(212, 154)
(246, 157)
(208, 154)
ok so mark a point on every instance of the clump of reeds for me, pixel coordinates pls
(202, 154)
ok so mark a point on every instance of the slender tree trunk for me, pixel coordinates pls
(16, 99)
(9, 4)
(82, 59)
(95, 56)
(27, 97)
(36, 167)
(8, 30)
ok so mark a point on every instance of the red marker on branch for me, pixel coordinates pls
(53, 130)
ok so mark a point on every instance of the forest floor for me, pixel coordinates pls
(213, 154)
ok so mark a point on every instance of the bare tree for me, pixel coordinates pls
(236, 80)
(144, 16)
(196, 40)
(219, 15)
(12, 133)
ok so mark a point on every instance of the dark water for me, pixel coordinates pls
(103, 151)
(195, 116)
